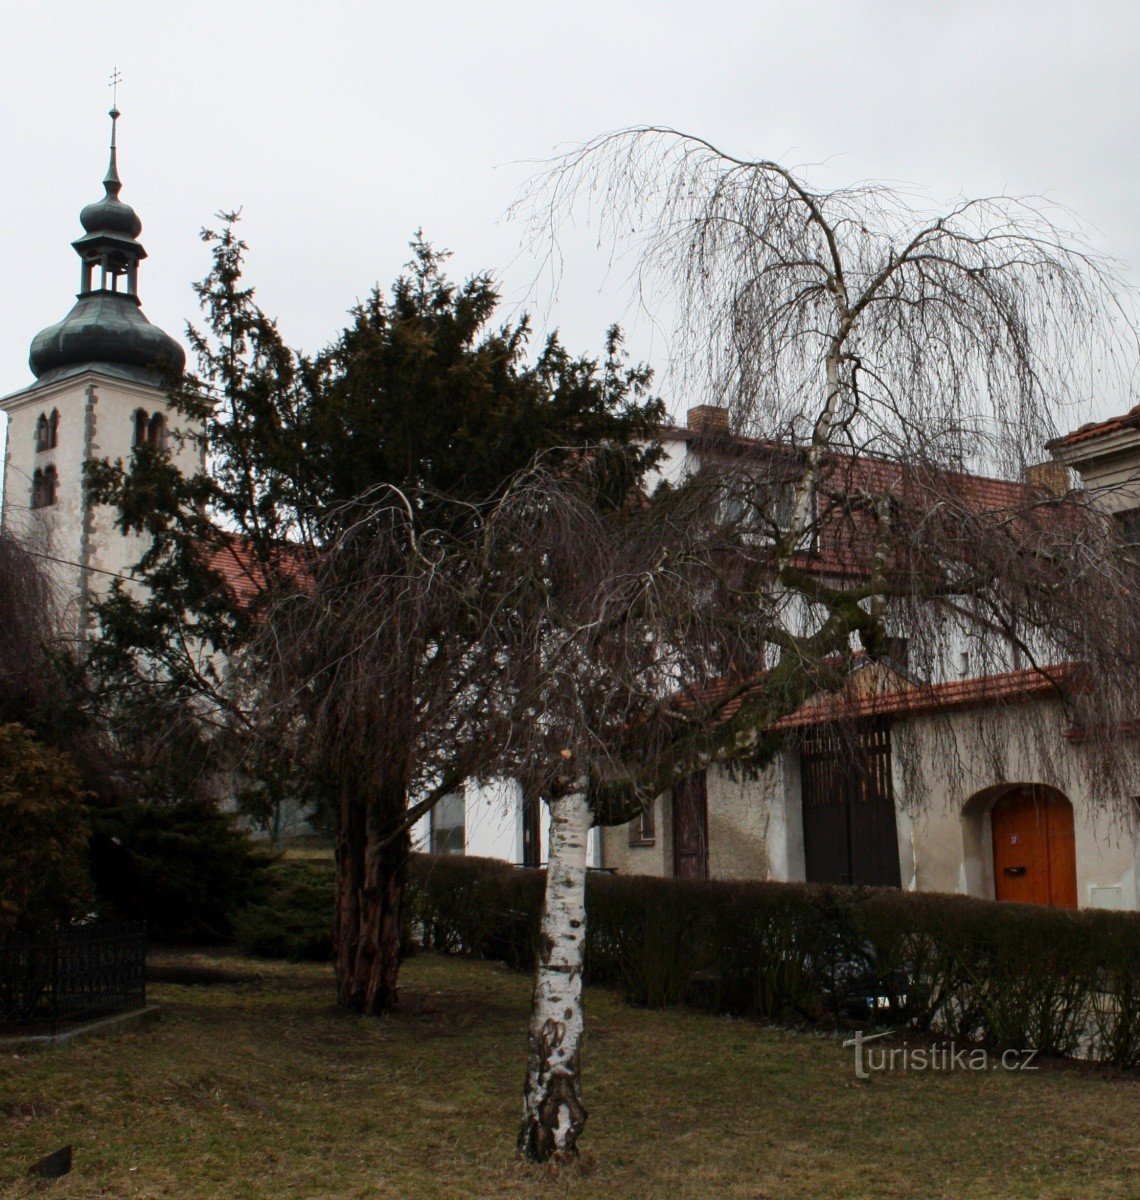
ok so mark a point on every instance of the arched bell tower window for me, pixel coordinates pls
(150, 429)
(45, 484)
(156, 431)
(47, 431)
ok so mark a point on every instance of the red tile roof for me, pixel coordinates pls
(907, 700)
(1128, 420)
(979, 692)
(241, 571)
(845, 541)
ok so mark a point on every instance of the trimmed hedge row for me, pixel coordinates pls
(1013, 976)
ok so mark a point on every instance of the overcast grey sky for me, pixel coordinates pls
(341, 127)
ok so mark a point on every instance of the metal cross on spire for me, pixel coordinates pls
(116, 79)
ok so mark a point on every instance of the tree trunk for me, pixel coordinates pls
(370, 879)
(553, 1115)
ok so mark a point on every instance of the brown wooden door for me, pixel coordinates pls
(850, 833)
(1035, 858)
(691, 828)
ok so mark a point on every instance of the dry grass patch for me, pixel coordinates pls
(259, 1087)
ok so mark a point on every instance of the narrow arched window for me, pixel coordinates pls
(45, 484)
(140, 428)
(53, 429)
(43, 432)
(156, 431)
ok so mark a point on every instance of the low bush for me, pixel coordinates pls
(1014, 976)
(293, 917)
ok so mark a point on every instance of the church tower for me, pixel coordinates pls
(98, 393)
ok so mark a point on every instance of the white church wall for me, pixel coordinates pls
(96, 420)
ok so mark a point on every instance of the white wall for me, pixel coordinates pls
(96, 414)
(493, 823)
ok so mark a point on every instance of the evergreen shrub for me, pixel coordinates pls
(187, 869)
(293, 917)
(44, 877)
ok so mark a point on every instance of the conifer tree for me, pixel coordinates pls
(422, 395)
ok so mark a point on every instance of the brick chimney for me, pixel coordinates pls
(1049, 477)
(708, 418)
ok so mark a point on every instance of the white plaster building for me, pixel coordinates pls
(990, 827)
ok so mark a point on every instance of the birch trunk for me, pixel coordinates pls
(802, 509)
(553, 1115)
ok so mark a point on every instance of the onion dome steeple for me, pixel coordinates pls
(106, 327)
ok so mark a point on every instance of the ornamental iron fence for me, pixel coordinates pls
(67, 979)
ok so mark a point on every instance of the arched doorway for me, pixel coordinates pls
(1035, 860)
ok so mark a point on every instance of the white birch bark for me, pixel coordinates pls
(553, 1115)
(802, 510)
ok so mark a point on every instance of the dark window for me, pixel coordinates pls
(850, 834)
(448, 834)
(759, 506)
(47, 431)
(532, 828)
(896, 651)
(1128, 525)
(141, 425)
(156, 431)
(45, 484)
(643, 829)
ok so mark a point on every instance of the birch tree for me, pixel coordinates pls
(869, 354)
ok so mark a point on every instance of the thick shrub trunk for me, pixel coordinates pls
(553, 1115)
(370, 879)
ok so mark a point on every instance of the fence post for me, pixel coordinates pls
(55, 986)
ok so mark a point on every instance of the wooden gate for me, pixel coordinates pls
(691, 828)
(850, 834)
(1035, 859)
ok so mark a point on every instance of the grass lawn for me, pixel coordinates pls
(260, 1087)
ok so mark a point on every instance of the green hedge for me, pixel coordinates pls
(1013, 976)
